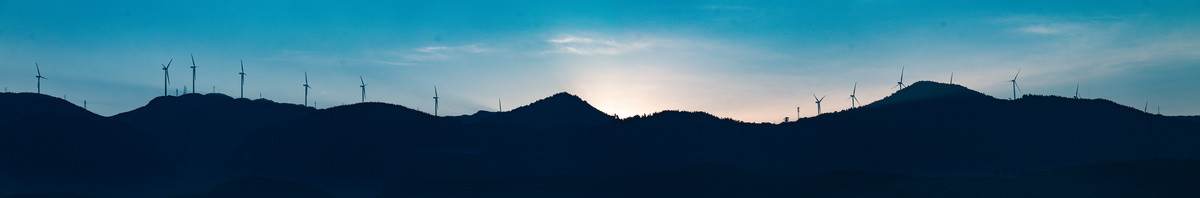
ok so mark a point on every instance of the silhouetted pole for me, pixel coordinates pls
(39, 77)
(166, 76)
(193, 74)
(242, 90)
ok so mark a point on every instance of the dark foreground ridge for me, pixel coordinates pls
(927, 132)
(1144, 178)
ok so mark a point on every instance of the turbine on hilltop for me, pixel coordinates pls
(306, 87)
(39, 77)
(166, 76)
(435, 101)
(1014, 84)
(818, 103)
(363, 85)
(853, 98)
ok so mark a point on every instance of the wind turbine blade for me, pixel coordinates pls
(823, 97)
(361, 81)
(815, 98)
(38, 67)
(1018, 74)
(855, 90)
(169, 62)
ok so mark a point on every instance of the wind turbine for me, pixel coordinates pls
(306, 87)
(500, 104)
(39, 77)
(166, 76)
(818, 103)
(193, 74)
(363, 85)
(853, 99)
(797, 113)
(1014, 84)
(242, 91)
(435, 101)
(1147, 107)
(1076, 91)
(951, 77)
(901, 82)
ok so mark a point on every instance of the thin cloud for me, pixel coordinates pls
(1039, 30)
(568, 44)
(428, 54)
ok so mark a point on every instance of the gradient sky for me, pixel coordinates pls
(752, 61)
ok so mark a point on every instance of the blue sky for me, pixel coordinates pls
(752, 61)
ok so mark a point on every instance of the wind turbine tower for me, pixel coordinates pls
(363, 85)
(306, 87)
(818, 103)
(39, 77)
(435, 101)
(951, 77)
(1076, 91)
(242, 90)
(193, 74)
(1014, 84)
(853, 99)
(166, 76)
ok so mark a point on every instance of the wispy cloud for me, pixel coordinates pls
(568, 44)
(427, 54)
(1039, 30)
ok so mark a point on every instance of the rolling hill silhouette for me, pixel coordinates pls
(926, 129)
(204, 130)
(956, 128)
(14, 106)
(49, 145)
(560, 110)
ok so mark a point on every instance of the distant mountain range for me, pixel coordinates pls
(187, 144)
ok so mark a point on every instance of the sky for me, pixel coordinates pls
(754, 61)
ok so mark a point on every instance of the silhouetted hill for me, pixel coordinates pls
(562, 109)
(14, 106)
(472, 118)
(681, 117)
(1145, 178)
(953, 131)
(257, 187)
(364, 141)
(927, 129)
(927, 91)
(42, 153)
(1193, 118)
(200, 131)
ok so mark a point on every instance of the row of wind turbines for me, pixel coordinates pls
(854, 103)
(900, 84)
(242, 85)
